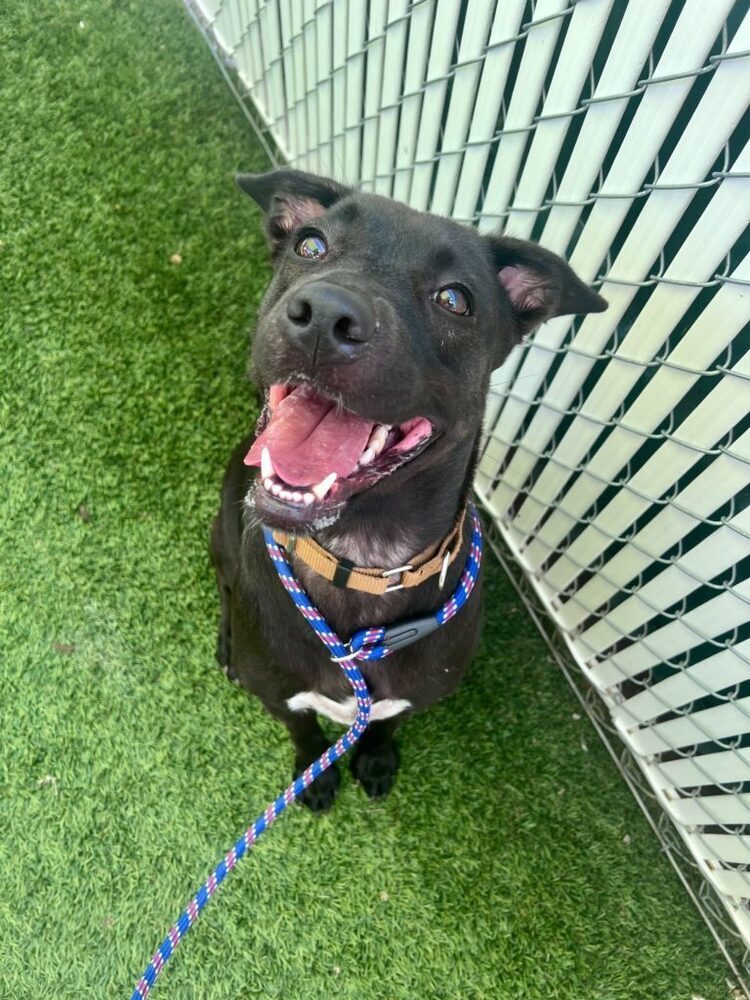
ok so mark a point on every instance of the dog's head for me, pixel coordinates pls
(376, 339)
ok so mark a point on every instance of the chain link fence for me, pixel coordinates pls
(616, 462)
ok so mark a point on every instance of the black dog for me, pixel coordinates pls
(374, 345)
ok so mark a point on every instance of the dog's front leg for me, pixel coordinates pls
(376, 758)
(309, 743)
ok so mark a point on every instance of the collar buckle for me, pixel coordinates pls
(392, 572)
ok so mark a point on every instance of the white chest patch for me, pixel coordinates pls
(345, 711)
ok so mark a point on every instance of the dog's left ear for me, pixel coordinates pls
(290, 198)
(539, 284)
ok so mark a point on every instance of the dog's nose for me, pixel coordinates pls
(330, 323)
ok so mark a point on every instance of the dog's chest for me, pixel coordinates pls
(345, 710)
(331, 695)
(410, 680)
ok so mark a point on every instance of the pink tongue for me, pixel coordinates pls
(308, 439)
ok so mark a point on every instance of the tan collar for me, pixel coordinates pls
(343, 573)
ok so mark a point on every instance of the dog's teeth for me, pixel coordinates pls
(268, 483)
(366, 457)
(321, 489)
(276, 489)
(297, 497)
(266, 465)
(308, 498)
(378, 438)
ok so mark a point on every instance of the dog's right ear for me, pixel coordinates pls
(290, 198)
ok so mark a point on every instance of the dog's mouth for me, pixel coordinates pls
(313, 454)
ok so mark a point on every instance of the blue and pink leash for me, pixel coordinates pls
(366, 644)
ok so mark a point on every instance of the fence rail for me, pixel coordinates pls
(616, 462)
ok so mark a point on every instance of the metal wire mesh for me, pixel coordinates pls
(616, 461)
(724, 931)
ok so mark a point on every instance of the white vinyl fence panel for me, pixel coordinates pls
(616, 463)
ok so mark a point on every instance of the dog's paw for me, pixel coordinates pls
(228, 672)
(223, 647)
(319, 796)
(224, 655)
(375, 769)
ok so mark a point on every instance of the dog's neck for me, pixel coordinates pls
(384, 531)
(361, 547)
(387, 532)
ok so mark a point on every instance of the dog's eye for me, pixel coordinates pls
(311, 246)
(454, 300)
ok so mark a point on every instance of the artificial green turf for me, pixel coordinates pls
(499, 868)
